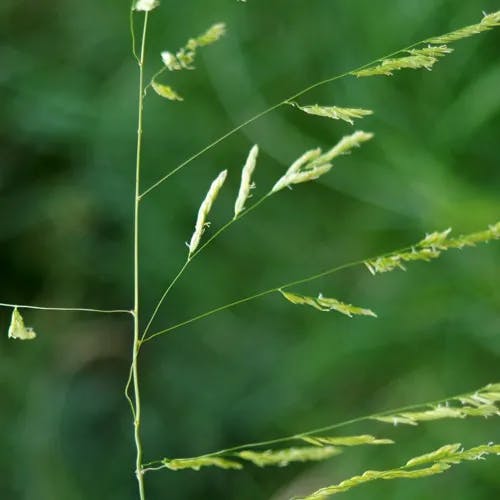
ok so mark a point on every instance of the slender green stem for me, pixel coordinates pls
(132, 32)
(267, 111)
(73, 309)
(163, 297)
(136, 345)
(157, 464)
(188, 261)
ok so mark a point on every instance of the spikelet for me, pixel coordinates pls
(434, 456)
(426, 57)
(214, 33)
(488, 22)
(430, 248)
(17, 330)
(344, 146)
(431, 51)
(334, 112)
(204, 210)
(439, 413)
(146, 5)
(345, 440)
(184, 58)
(199, 462)
(246, 181)
(436, 240)
(374, 475)
(166, 91)
(391, 262)
(312, 164)
(388, 66)
(327, 304)
(170, 61)
(441, 459)
(282, 458)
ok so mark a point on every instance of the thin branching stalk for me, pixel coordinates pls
(136, 345)
(158, 464)
(253, 297)
(189, 259)
(69, 309)
(284, 102)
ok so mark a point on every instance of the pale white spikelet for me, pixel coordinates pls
(307, 157)
(246, 181)
(205, 207)
(214, 33)
(170, 61)
(146, 5)
(345, 145)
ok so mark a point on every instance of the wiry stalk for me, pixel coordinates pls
(136, 347)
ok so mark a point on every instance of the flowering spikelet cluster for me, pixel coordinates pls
(327, 304)
(185, 56)
(488, 22)
(424, 57)
(429, 464)
(283, 457)
(312, 164)
(430, 248)
(334, 112)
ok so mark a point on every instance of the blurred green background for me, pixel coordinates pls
(267, 368)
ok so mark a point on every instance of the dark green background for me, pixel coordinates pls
(265, 369)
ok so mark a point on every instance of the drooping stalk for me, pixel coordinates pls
(136, 346)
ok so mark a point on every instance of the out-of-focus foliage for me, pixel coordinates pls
(264, 369)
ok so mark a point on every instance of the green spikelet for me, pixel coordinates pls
(199, 462)
(441, 459)
(327, 304)
(282, 458)
(334, 112)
